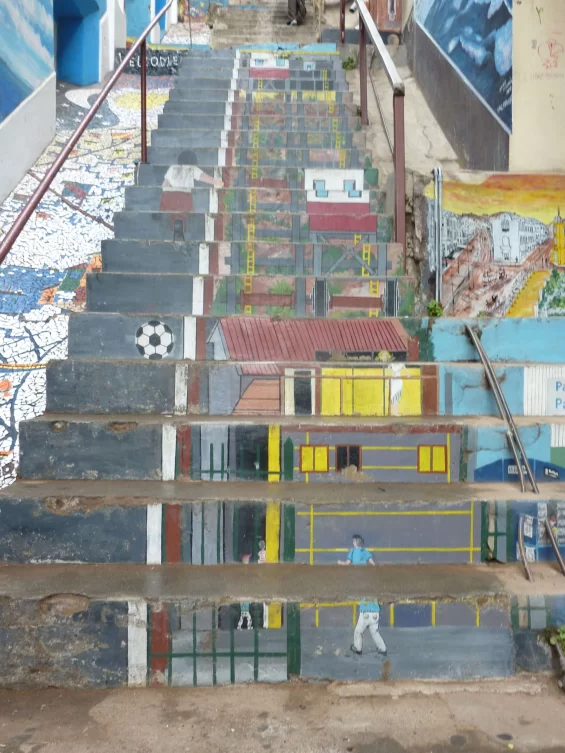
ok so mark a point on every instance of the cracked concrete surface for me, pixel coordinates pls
(520, 715)
(426, 145)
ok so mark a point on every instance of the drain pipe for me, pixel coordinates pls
(438, 230)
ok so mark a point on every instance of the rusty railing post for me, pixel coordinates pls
(342, 20)
(143, 55)
(399, 173)
(363, 70)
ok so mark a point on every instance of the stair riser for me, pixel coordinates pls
(333, 259)
(253, 389)
(262, 107)
(241, 95)
(269, 258)
(270, 177)
(157, 294)
(266, 123)
(112, 336)
(417, 454)
(192, 76)
(214, 533)
(320, 158)
(246, 200)
(271, 227)
(185, 138)
(112, 643)
(242, 82)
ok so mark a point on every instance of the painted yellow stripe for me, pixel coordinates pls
(478, 616)
(311, 534)
(326, 604)
(391, 616)
(472, 534)
(312, 549)
(273, 531)
(448, 453)
(342, 513)
(433, 614)
(274, 453)
(275, 615)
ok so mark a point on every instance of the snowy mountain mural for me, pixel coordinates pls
(476, 37)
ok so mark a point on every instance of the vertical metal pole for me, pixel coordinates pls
(399, 173)
(440, 231)
(363, 70)
(342, 20)
(143, 54)
(436, 232)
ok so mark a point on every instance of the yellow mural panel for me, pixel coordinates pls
(354, 393)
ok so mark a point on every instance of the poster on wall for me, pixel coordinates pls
(26, 50)
(476, 37)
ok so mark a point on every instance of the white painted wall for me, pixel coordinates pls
(25, 133)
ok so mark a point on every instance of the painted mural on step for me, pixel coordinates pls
(26, 45)
(476, 37)
(180, 644)
(503, 246)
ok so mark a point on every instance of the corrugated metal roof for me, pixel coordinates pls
(261, 339)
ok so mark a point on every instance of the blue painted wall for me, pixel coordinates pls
(137, 16)
(78, 40)
(26, 50)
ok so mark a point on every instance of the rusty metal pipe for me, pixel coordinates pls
(13, 233)
(399, 172)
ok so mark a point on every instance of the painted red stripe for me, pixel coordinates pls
(183, 445)
(200, 339)
(269, 73)
(344, 223)
(172, 533)
(337, 207)
(159, 645)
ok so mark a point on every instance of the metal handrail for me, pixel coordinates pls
(512, 432)
(368, 26)
(554, 545)
(522, 548)
(141, 44)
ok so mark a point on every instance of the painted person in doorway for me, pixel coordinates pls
(358, 555)
(245, 606)
(296, 12)
(176, 196)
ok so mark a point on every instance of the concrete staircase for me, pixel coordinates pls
(249, 388)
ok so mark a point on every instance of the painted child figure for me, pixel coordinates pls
(245, 606)
(262, 554)
(177, 188)
(358, 555)
(369, 611)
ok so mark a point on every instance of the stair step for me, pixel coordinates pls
(333, 259)
(262, 106)
(265, 123)
(49, 522)
(251, 200)
(272, 176)
(254, 388)
(264, 157)
(267, 226)
(218, 88)
(109, 336)
(283, 448)
(191, 138)
(192, 94)
(233, 295)
(177, 625)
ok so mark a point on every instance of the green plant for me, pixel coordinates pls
(349, 64)
(557, 637)
(435, 308)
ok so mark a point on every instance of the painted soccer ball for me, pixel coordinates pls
(154, 340)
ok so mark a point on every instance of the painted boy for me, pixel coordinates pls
(358, 555)
(177, 188)
(369, 611)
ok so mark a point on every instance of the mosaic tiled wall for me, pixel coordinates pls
(44, 275)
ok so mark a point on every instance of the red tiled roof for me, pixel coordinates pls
(260, 339)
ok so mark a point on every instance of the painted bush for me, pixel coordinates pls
(26, 50)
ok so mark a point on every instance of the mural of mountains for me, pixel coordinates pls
(476, 35)
(13, 90)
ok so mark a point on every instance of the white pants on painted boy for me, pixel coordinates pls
(368, 620)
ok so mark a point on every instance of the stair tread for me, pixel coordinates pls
(91, 493)
(285, 582)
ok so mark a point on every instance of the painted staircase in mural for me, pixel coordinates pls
(250, 385)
